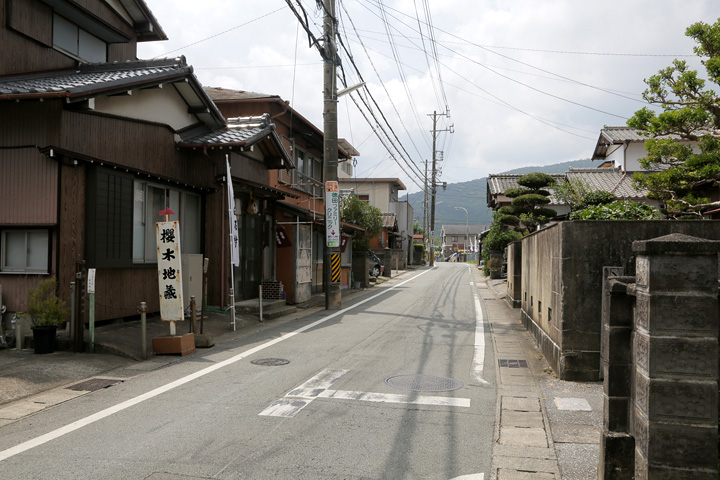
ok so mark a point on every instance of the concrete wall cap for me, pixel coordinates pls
(676, 243)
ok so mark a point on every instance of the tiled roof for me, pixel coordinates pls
(241, 131)
(497, 184)
(611, 180)
(90, 80)
(461, 229)
(623, 134)
(93, 76)
(220, 94)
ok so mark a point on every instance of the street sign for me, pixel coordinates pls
(91, 280)
(169, 271)
(332, 214)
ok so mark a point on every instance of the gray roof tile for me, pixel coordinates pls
(241, 130)
(93, 76)
(611, 180)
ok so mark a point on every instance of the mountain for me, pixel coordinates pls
(472, 196)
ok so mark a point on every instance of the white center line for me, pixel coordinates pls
(83, 422)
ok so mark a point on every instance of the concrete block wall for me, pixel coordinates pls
(561, 284)
(272, 290)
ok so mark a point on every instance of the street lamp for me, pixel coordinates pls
(467, 231)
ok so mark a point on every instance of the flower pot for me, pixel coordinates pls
(44, 338)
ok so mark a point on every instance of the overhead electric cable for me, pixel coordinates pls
(224, 31)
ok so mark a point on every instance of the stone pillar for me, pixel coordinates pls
(617, 446)
(514, 273)
(675, 349)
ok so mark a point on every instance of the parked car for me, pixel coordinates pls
(375, 265)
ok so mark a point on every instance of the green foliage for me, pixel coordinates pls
(622, 210)
(417, 230)
(571, 192)
(536, 180)
(527, 202)
(362, 214)
(690, 112)
(597, 197)
(44, 306)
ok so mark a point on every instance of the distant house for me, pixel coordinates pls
(498, 184)
(384, 193)
(461, 238)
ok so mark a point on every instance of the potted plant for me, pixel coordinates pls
(46, 312)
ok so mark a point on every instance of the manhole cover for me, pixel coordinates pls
(93, 384)
(424, 383)
(513, 363)
(270, 362)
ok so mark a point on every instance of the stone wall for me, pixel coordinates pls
(561, 285)
(660, 363)
(514, 273)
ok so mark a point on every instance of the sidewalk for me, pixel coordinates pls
(546, 429)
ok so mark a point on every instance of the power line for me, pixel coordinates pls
(224, 31)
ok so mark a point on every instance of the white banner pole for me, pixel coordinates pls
(234, 241)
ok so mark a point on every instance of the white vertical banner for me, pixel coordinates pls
(232, 218)
(169, 271)
(332, 214)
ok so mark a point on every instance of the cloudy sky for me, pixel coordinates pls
(525, 82)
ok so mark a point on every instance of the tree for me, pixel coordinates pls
(527, 211)
(690, 113)
(355, 211)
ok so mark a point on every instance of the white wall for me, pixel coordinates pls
(161, 105)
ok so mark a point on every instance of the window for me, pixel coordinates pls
(454, 240)
(148, 200)
(364, 198)
(24, 251)
(77, 42)
(309, 171)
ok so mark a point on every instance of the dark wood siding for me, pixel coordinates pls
(31, 18)
(28, 188)
(141, 146)
(109, 219)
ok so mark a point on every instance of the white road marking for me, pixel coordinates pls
(396, 398)
(317, 387)
(478, 366)
(300, 397)
(472, 476)
(83, 422)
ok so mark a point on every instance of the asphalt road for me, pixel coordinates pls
(397, 385)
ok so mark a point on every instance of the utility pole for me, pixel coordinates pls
(434, 190)
(425, 207)
(330, 161)
(435, 132)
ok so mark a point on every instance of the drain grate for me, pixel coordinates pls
(270, 362)
(93, 384)
(513, 363)
(424, 383)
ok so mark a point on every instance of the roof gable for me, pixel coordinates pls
(98, 79)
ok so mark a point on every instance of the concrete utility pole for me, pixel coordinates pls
(435, 131)
(330, 156)
(425, 208)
